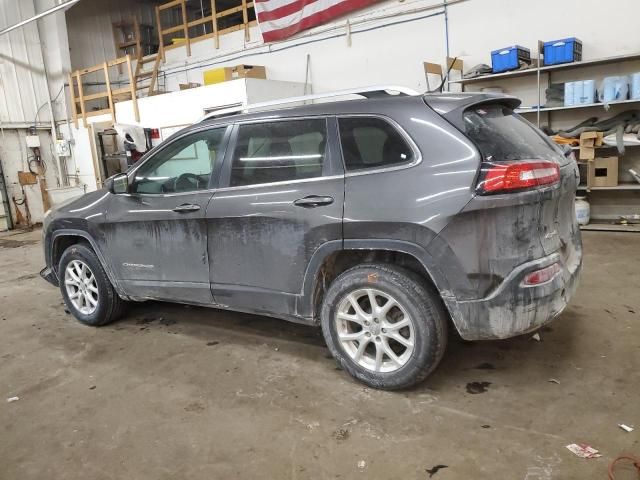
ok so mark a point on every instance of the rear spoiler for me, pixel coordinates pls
(452, 105)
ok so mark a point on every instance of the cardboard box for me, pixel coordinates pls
(187, 86)
(218, 75)
(603, 172)
(587, 145)
(27, 178)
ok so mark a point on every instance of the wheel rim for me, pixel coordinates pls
(82, 288)
(375, 330)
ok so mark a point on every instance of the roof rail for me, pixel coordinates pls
(366, 92)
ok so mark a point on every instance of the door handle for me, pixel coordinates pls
(313, 201)
(186, 208)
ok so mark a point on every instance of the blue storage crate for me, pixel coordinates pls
(566, 50)
(509, 58)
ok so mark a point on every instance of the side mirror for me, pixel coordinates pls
(118, 184)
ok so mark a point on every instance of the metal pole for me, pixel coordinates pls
(62, 181)
(40, 15)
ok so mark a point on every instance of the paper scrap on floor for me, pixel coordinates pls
(583, 450)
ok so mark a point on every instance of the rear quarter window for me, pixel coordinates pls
(502, 135)
(371, 142)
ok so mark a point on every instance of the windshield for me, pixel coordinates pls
(502, 135)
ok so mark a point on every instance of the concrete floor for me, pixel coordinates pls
(177, 392)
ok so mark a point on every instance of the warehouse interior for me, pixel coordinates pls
(91, 90)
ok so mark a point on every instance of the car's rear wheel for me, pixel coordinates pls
(384, 325)
(85, 287)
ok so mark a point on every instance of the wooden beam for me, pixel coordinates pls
(81, 95)
(154, 77)
(109, 95)
(95, 113)
(132, 85)
(200, 21)
(185, 23)
(95, 96)
(160, 38)
(245, 20)
(175, 3)
(74, 107)
(214, 20)
(177, 28)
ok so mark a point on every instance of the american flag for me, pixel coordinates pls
(280, 19)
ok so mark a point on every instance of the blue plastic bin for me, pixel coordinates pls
(566, 50)
(509, 58)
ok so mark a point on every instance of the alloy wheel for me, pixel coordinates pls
(82, 287)
(375, 330)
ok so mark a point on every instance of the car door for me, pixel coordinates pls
(156, 234)
(283, 201)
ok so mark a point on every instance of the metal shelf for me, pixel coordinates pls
(623, 186)
(573, 107)
(550, 68)
(611, 227)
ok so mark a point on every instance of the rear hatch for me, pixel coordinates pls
(505, 138)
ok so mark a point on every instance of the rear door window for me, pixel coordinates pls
(279, 151)
(502, 135)
(371, 142)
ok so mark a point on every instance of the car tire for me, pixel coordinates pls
(418, 316)
(95, 303)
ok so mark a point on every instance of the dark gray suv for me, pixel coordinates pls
(385, 220)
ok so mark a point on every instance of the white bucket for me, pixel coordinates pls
(583, 211)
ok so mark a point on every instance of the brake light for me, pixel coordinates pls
(541, 276)
(521, 175)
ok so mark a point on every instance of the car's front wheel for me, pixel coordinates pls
(384, 325)
(85, 287)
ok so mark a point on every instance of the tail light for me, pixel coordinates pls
(507, 177)
(541, 276)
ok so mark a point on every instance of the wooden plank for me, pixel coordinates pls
(245, 20)
(175, 3)
(81, 95)
(177, 28)
(214, 20)
(136, 30)
(117, 61)
(74, 107)
(132, 85)
(95, 113)
(160, 38)
(95, 96)
(46, 203)
(185, 22)
(120, 91)
(154, 77)
(107, 80)
(200, 21)
(93, 69)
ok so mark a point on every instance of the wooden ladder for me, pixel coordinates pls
(141, 74)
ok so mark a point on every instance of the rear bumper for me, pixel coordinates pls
(49, 275)
(512, 309)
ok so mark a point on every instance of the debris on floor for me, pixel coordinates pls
(92, 387)
(626, 428)
(362, 464)
(583, 450)
(341, 433)
(12, 399)
(486, 366)
(211, 344)
(536, 337)
(433, 470)
(477, 387)
(554, 380)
